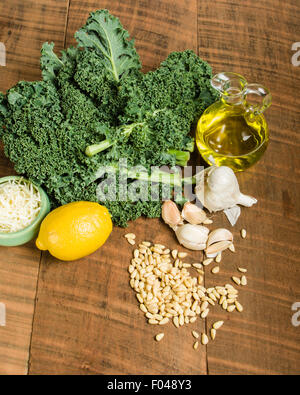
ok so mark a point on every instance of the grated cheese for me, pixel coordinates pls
(20, 203)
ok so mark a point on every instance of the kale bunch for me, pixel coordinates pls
(94, 107)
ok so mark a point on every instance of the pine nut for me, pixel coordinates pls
(174, 253)
(204, 339)
(143, 308)
(159, 336)
(243, 233)
(130, 236)
(204, 314)
(146, 243)
(236, 280)
(164, 321)
(198, 265)
(176, 321)
(160, 246)
(152, 321)
(186, 265)
(231, 308)
(222, 299)
(139, 298)
(182, 255)
(181, 320)
(218, 324)
(213, 333)
(244, 280)
(208, 261)
(239, 307)
(230, 301)
(215, 270)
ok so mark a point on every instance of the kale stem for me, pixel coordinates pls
(182, 157)
(92, 150)
(172, 179)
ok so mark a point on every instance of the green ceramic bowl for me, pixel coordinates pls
(31, 231)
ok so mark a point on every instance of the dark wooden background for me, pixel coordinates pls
(82, 317)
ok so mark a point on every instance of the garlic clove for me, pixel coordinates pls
(193, 237)
(193, 214)
(220, 234)
(217, 247)
(170, 214)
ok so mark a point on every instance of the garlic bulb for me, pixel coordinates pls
(193, 214)
(170, 214)
(218, 189)
(193, 237)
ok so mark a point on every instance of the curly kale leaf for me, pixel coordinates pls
(3, 112)
(96, 83)
(51, 64)
(104, 33)
(182, 79)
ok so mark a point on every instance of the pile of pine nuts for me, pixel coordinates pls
(167, 292)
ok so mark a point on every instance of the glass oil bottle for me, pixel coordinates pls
(233, 132)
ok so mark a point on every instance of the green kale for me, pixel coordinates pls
(95, 96)
(104, 34)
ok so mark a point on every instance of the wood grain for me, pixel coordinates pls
(18, 277)
(24, 26)
(254, 38)
(93, 296)
(158, 26)
(86, 317)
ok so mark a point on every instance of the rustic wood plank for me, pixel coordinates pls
(23, 28)
(158, 26)
(87, 319)
(18, 278)
(254, 38)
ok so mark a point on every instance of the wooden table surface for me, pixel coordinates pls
(82, 317)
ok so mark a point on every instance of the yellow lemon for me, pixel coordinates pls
(74, 230)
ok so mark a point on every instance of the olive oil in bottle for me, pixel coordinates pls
(232, 132)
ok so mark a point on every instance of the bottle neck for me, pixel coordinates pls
(235, 100)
